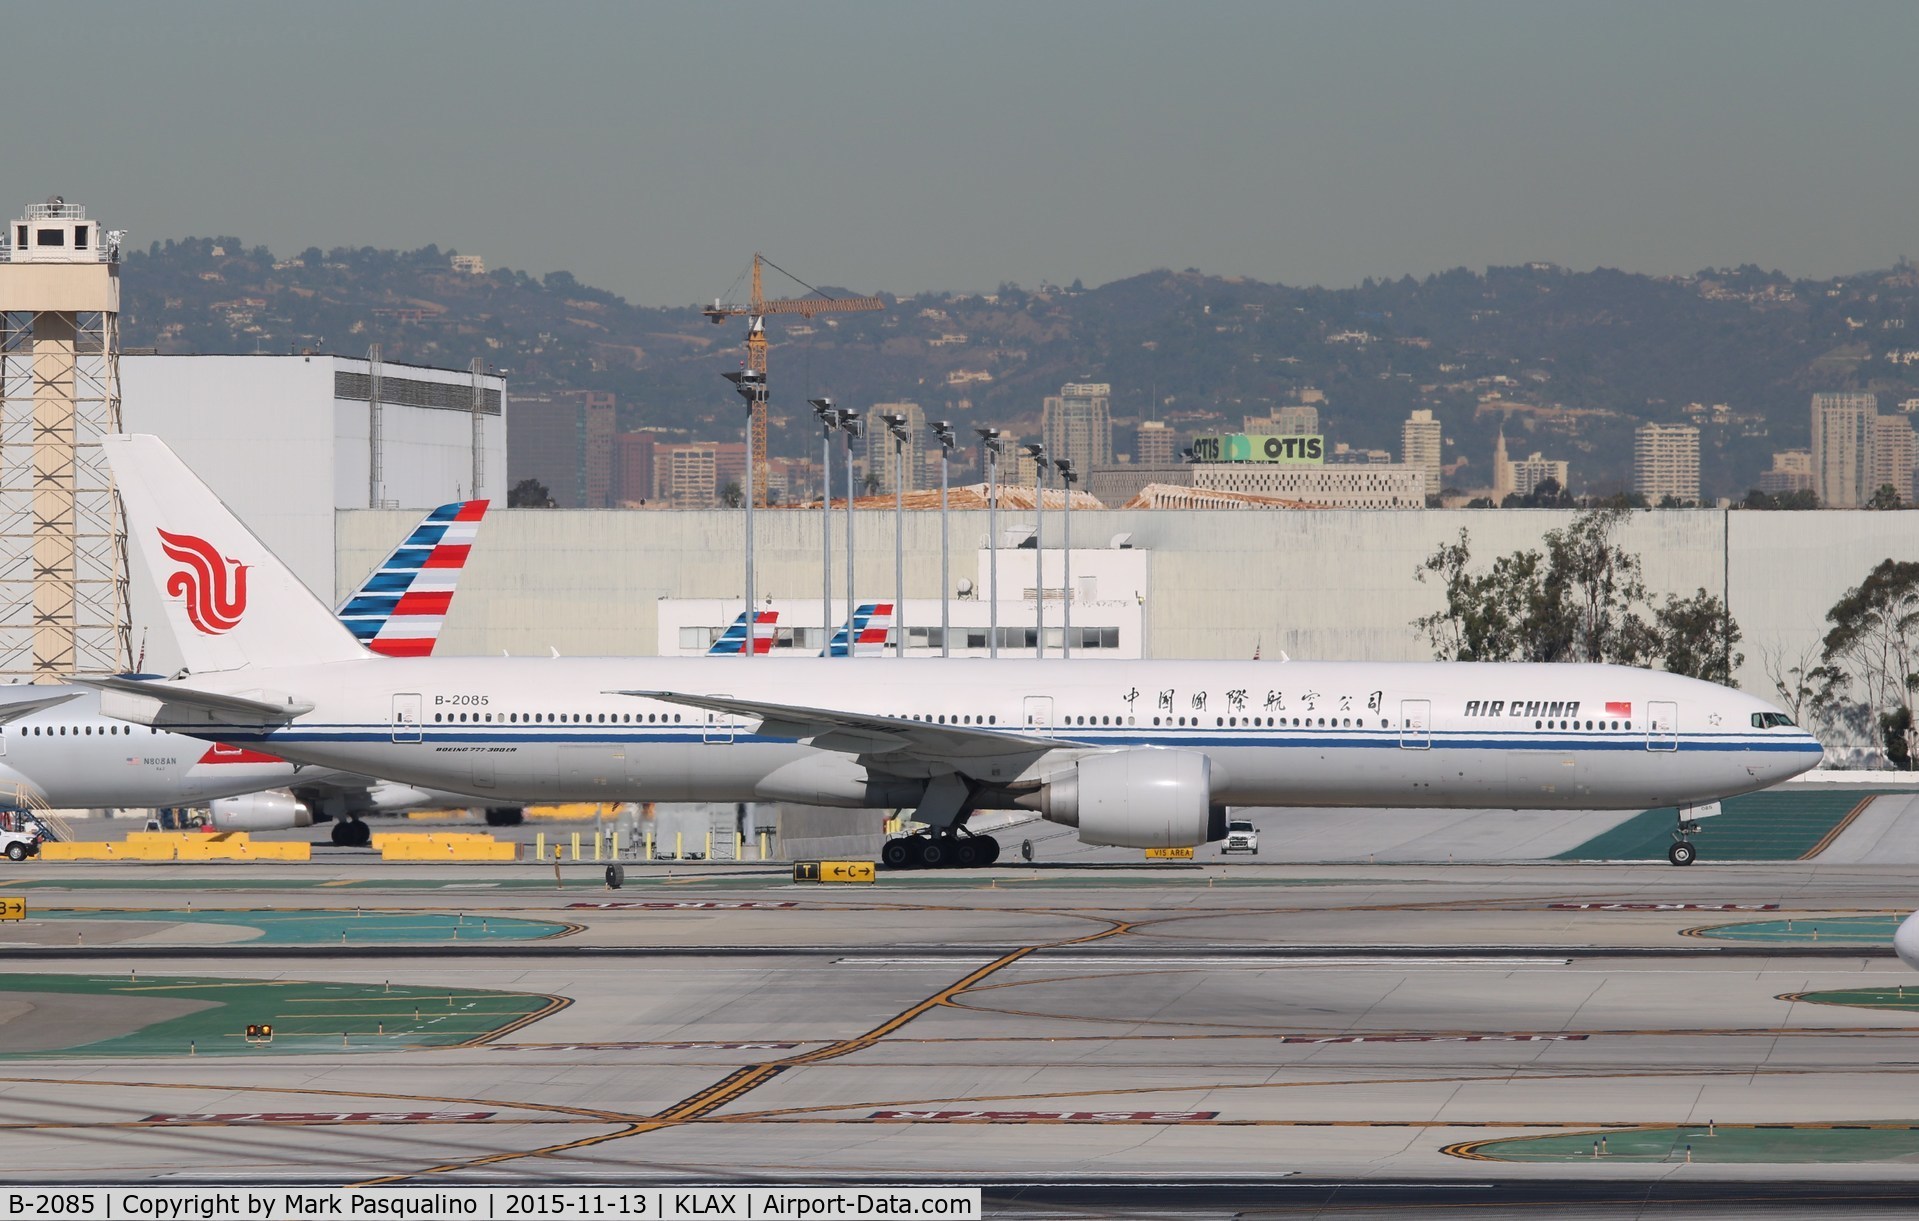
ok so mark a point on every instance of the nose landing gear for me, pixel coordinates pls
(1682, 851)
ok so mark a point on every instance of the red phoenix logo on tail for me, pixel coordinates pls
(202, 584)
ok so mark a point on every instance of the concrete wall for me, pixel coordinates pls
(1327, 585)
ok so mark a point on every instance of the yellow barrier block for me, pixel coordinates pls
(76, 852)
(287, 851)
(573, 811)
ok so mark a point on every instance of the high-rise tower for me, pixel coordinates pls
(63, 543)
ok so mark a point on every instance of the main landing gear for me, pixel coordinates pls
(940, 850)
(352, 833)
(1682, 852)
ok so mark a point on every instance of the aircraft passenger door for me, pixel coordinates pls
(1662, 725)
(1038, 712)
(406, 717)
(718, 727)
(1415, 724)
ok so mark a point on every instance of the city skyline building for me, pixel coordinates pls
(1894, 449)
(1155, 444)
(565, 442)
(1295, 421)
(1666, 462)
(1791, 472)
(1534, 469)
(879, 445)
(633, 466)
(686, 475)
(1422, 444)
(1842, 435)
(1077, 424)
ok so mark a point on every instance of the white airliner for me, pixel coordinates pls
(57, 750)
(1132, 753)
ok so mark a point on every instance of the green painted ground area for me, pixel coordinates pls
(335, 926)
(1841, 930)
(1756, 827)
(1730, 1144)
(1898, 997)
(306, 1016)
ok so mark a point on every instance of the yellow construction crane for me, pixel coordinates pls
(751, 381)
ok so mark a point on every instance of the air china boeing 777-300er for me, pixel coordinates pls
(1132, 753)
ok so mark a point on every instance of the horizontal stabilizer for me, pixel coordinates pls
(9, 713)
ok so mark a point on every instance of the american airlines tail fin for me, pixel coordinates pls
(733, 639)
(399, 609)
(229, 601)
(868, 630)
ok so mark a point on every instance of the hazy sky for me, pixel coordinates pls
(650, 148)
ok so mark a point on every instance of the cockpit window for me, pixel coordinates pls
(1771, 720)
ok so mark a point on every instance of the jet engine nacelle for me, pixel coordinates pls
(272, 810)
(1142, 798)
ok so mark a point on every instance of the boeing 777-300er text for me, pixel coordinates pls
(1132, 753)
(57, 750)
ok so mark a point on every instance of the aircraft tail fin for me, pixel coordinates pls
(871, 621)
(230, 602)
(399, 609)
(733, 640)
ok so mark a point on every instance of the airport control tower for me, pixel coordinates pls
(63, 543)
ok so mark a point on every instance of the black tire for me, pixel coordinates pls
(342, 835)
(16, 852)
(1681, 853)
(967, 854)
(505, 816)
(898, 854)
(359, 835)
(936, 854)
(989, 849)
(615, 876)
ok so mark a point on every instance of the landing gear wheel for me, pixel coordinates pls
(505, 816)
(342, 836)
(1681, 853)
(989, 849)
(935, 853)
(898, 854)
(967, 854)
(352, 833)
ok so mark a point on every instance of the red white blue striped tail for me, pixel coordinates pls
(872, 621)
(402, 605)
(734, 637)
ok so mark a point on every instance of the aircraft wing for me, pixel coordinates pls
(883, 738)
(10, 713)
(149, 702)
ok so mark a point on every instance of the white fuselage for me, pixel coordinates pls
(1294, 733)
(69, 756)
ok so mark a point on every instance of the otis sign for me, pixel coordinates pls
(1245, 447)
(213, 587)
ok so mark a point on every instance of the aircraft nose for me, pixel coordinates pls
(1905, 942)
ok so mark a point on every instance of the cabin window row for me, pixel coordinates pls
(61, 731)
(556, 718)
